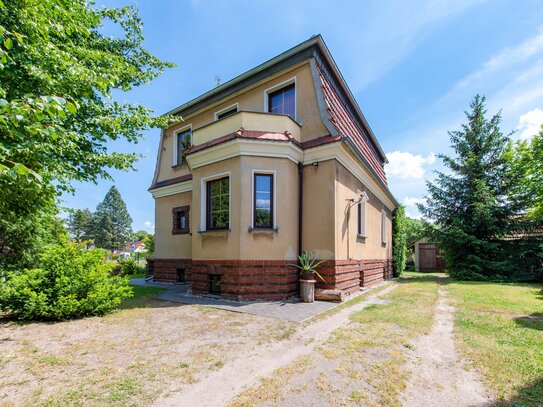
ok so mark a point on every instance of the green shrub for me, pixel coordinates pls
(128, 267)
(70, 282)
(399, 240)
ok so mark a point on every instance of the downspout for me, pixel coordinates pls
(300, 204)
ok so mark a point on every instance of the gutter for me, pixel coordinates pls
(300, 204)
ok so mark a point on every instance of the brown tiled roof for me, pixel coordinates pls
(246, 134)
(171, 181)
(346, 125)
(320, 141)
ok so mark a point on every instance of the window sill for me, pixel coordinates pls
(361, 237)
(263, 231)
(214, 233)
(183, 164)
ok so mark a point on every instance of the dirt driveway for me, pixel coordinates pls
(369, 352)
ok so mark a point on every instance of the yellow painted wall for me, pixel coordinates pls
(167, 245)
(252, 99)
(319, 205)
(348, 245)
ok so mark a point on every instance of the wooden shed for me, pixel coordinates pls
(428, 257)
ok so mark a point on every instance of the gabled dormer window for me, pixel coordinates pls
(182, 141)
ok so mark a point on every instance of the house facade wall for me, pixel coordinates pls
(253, 264)
(252, 99)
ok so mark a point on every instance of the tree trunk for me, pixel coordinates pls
(329, 295)
(307, 290)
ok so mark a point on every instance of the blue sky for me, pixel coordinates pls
(412, 65)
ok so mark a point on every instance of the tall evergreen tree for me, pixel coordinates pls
(81, 224)
(112, 222)
(468, 205)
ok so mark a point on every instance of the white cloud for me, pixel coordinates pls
(149, 225)
(404, 165)
(410, 201)
(529, 124)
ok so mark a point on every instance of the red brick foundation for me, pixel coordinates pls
(270, 279)
(166, 270)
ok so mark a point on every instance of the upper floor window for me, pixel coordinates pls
(227, 111)
(218, 204)
(183, 140)
(263, 201)
(283, 101)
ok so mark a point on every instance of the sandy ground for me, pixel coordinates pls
(438, 376)
(220, 387)
(128, 358)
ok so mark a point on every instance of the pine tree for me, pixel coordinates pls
(468, 205)
(112, 222)
(80, 224)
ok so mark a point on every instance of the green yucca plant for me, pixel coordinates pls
(308, 264)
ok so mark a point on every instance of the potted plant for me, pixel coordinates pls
(308, 270)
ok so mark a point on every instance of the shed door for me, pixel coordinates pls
(428, 257)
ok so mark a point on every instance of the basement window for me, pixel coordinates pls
(214, 284)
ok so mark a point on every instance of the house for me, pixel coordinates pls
(276, 161)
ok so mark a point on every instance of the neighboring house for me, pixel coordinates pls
(276, 161)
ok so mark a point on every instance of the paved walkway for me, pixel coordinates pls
(291, 310)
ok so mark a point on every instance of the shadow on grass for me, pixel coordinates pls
(534, 321)
(531, 395)
(413, 277)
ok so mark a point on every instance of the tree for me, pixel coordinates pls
(112, 224)
(526, 160)
(81, 224)
(399, 240)
(469, 205)
(414, 229)
(149, 243)
(139, 235)
(57, 73)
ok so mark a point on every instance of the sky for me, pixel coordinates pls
(412, 65)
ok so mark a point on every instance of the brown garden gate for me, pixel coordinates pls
(429, 258)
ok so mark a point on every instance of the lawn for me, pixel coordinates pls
(500, 328)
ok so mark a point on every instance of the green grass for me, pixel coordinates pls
(504, 345)
(141, 297)
(410, 305)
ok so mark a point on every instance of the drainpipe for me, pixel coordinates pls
(300, 204)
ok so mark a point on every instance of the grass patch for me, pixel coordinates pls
(410, 306)
(500, 327)
(141, 297)
(270, 387)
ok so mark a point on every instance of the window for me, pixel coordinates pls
(361, 220)
(218, 204)
(228, 111)
(214, 284)
(263, 201)
(180, 220)
(283, 101)
(383, 227)
(183, 140)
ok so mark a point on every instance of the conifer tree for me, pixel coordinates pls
(468, 205)
(112, 222)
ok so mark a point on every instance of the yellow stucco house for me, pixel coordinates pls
(276, 161)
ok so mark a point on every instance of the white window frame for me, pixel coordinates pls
(203, 199)
(361, 214)
(279, 86)
(383, 226)
(226, 109)
(174, 142)
(274, 214)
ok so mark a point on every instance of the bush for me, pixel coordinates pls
(128, 267)
(399, 240)
(70, 282)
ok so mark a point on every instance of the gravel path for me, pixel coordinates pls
(220, 387)
(439, 377)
